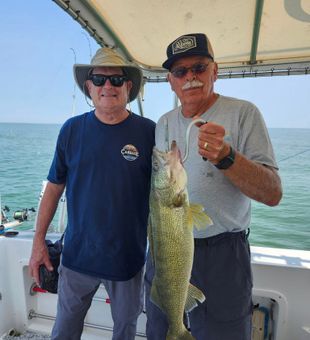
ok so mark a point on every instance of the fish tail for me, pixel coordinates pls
(194, 294)
(183, 335)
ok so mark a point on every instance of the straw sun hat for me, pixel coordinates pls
(107, 57)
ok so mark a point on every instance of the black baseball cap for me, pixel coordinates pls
(188, 45)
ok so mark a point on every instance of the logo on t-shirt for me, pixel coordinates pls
(130, 152)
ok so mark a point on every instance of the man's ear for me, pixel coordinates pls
(215, 71)
(129, 86)
(87, 85)
(170, 81)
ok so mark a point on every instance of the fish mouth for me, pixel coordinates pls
(168, 170)
(161, 158)
(173, 146)
(175, 151)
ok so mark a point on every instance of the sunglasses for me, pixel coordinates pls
(180, 72)
(115, 79)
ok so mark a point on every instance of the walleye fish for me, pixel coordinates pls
(171, 223)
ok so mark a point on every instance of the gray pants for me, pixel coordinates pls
(222, 270)
(75, 293)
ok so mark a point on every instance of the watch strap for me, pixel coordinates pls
(227, 161)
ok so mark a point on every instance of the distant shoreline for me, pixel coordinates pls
(29, 123)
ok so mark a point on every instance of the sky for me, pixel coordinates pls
(39, 44)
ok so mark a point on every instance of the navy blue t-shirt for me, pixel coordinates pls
(107, 170)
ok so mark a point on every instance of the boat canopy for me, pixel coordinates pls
(250, 38)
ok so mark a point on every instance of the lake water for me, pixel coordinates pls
(27, 151)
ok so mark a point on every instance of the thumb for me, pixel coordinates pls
(200, 122)
(48, 264)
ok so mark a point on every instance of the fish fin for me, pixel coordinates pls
(184, 334)
(194, 294)
(199, 218)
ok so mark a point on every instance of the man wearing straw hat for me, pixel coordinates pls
(103, 159)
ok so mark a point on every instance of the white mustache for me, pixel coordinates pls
(192, 84)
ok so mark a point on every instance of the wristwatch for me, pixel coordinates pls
(227, 161)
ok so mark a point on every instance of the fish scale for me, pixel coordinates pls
(171, 240)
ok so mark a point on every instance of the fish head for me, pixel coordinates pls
(169, 177)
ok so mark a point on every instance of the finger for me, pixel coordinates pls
(215, 140)
(36, 276)
(30, 270)
(212, 128)
(198, 124)
(204, 151)
(209, 137)
(206, 144)
(48, 264)
(33, 267)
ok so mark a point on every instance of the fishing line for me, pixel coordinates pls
(292, 156)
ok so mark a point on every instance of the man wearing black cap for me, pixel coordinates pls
(230, 162)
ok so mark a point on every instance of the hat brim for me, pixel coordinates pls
(170, 61)
(134, 74)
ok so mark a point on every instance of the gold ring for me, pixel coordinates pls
(205, 145)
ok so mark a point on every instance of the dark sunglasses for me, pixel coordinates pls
(115, 79)
(180, 72)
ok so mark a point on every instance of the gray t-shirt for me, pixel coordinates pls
(245, 129)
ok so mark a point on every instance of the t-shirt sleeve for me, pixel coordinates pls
(58, 170)
(254, 140)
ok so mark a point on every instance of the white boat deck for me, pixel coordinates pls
(22, 309)
(281, 283)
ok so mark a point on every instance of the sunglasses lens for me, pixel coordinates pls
(98, 79)
(117, 80)
(199, 68)
(179, 72)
